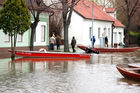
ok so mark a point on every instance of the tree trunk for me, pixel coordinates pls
(33, 29)
(127, 37)
(32, 39)
(127, 33)
(66, 42)
(12, 49)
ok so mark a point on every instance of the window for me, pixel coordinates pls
(105, 34)
(90, 33)
(43, 28)
(19, 38)
(108, 33)
(99, 32)
(7, 38)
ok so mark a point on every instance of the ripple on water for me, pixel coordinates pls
(98, 75)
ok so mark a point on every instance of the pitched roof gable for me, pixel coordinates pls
(84, 8)
(117, 23)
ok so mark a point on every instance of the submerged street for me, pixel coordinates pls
(47, 75)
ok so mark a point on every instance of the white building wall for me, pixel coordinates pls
(80, 28)
(38, 41)
(118, 35)
(105, 30)
(76, 28)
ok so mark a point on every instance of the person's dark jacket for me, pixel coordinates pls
(73, 42)
(58, 40)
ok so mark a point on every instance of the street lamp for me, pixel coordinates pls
(92, 21)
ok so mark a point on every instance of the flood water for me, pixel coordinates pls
(95, 75)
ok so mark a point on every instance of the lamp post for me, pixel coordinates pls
(92, 22)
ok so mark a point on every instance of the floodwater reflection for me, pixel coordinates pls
(46, 75)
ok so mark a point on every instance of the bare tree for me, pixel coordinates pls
(129, 8)
(56, 21)
(56, 24)
(37, 7)
(68, 7)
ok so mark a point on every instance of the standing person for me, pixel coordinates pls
(93, 41)
(73, 43)
(106, 41)
(52, 42)
(58, 42)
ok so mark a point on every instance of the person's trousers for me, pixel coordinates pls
(58, 46)
(73, 48)
(51, 46)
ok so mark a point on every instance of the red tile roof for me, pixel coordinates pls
(117, 23)
(110, 10)
(84, 8)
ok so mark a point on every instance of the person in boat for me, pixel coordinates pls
(89, 50)
(73, 43)
(52, 42)
(106, 41)
(58, 42)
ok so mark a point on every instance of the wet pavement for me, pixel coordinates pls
(47, 75)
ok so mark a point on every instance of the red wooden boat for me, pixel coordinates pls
(48, 59)
(132, 49)
(50, 54)
(128, 72)
(134, 65)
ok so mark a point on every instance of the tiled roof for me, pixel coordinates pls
(117, 23)
(110, 10)
(84, 8)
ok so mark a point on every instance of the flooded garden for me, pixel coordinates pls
(66, 75)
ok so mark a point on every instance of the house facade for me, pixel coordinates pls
(41, 38)
(104, 24)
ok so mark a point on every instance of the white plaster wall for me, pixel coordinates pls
(38, 34)
(79, 28)
(102, 25)
(76, 28)
(117, 39)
